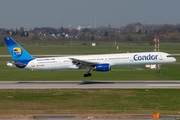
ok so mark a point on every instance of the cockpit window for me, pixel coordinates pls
(169, 56)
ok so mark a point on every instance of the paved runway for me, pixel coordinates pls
(87, 84)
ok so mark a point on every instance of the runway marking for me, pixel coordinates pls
(164, 85)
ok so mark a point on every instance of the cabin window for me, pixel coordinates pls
(169, 56)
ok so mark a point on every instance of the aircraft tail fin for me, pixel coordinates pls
(16, 51)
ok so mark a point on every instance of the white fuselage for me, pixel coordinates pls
(125, 59)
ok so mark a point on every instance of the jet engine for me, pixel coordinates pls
(102, 67)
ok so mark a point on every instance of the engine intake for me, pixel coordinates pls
(102, 67)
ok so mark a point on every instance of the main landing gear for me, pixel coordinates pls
(86, 75)
(88, 69)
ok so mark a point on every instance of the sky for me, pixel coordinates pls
(57, 13)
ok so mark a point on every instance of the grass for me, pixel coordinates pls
(68, 101)
(71, 50)
(177, 58)
(91, 101)
(168, 72)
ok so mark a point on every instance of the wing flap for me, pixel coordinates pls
(83, 63)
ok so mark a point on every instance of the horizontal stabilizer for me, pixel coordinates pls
(14, 64)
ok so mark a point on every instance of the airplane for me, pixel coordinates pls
(100, 62)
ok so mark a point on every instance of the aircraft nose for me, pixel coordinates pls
(174, 59)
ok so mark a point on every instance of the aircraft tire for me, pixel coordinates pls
(89, 74)
(85, 75)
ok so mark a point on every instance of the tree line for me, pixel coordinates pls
(131, 33)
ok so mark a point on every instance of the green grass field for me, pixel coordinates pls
(168, 72)
(54, 50)
(77, 101)
(68, 101)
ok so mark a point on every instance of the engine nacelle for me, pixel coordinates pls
(102, 67)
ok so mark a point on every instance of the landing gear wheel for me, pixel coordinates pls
(89, 74)
(85, 75)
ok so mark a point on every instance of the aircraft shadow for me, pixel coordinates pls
(79, 83)
(95, 82)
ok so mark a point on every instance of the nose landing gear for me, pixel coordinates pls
(158, 69)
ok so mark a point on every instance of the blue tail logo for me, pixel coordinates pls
(20, 56)
(16, 52)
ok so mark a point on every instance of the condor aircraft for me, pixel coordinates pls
(101, 62)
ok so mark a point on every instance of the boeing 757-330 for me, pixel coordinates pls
(100, 62)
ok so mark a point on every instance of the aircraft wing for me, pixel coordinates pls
(82, 63)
